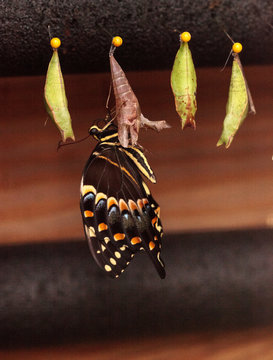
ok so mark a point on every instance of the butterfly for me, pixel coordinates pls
(120, 216)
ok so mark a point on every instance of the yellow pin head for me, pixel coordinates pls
(55, 43)
(185, 36)
(117, 41)
(237, 47)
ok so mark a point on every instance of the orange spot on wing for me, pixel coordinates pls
(119, 236)
(100, 196)
(145, 201)
(122, 205)
(111, 201)
(157, 211)
(88, 213)
(135, 240)
(102, 226)
(154, 220)
(87, 189)
(151, 245)
(140, 204)
(132, 205)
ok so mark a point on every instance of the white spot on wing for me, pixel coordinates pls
(113, 261)
(158, 258)
(158, 227)
(117, 255)
(91, 231)
(107, 268)
(146, 188)
(106, 239)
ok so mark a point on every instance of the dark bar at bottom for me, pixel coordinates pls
(54, 293)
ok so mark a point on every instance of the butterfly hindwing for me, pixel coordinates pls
(147, 222)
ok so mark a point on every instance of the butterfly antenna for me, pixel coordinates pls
(108, 99)
(61, 143)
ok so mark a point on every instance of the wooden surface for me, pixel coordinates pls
(199, 185)
(250, 344)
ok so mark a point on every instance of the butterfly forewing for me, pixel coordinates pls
(119, 214)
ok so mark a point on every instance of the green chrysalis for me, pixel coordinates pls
(183, 83)
(239, 100)
(54, 95)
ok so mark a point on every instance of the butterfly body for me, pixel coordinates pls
(119, 214)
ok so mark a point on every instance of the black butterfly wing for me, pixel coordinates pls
(119, 214)
(100, 213)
